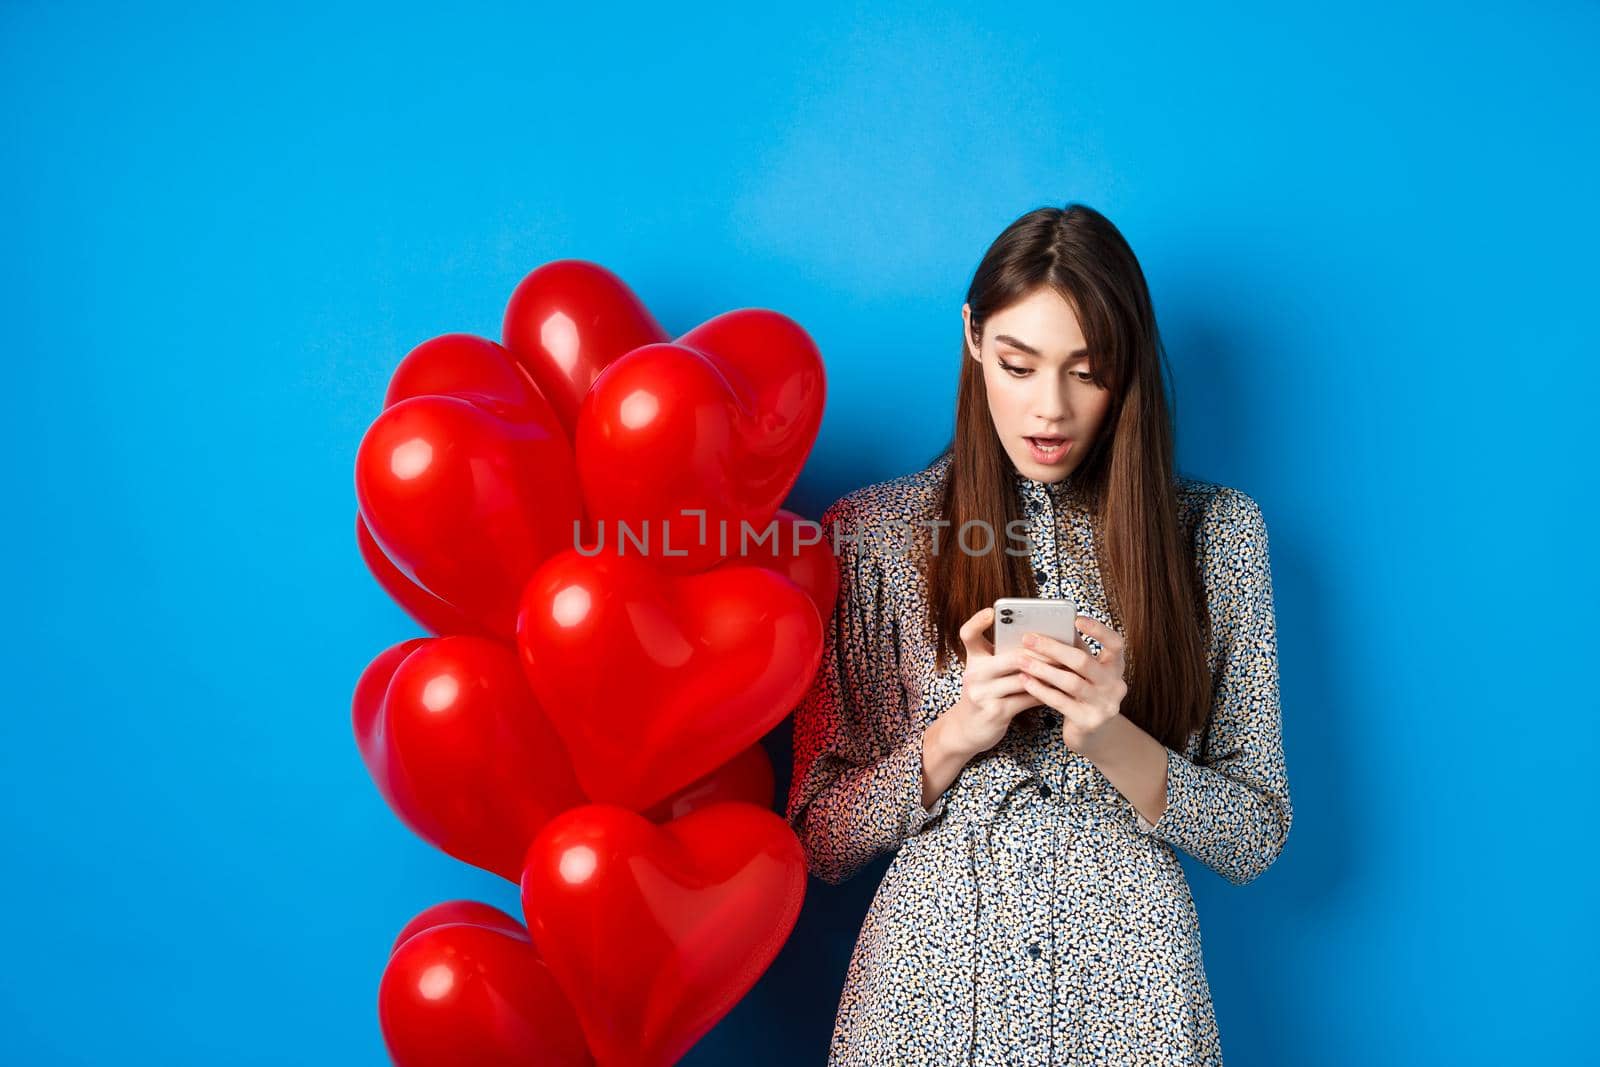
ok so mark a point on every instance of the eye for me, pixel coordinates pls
(1015, 371)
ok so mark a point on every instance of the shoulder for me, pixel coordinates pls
(1212, 508)
(873, 519)
(1223, 522)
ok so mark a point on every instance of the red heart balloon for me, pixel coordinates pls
(747, 777)
(801, 553)
(475, 369)
(465, 985)
(372, 740)
(460, 911)
(463, 752)
(654, 933)
(467, 503)
(654, 680)
(472, 368)
(439, 616)
(566, 322)
(719, 422)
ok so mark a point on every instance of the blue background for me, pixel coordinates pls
(1370, 234)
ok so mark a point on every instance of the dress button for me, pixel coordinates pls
(1041, 576)
(1033, 950)
(1044, 790)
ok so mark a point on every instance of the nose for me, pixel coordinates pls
(1051, 403)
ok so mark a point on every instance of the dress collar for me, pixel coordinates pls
(1031, 490)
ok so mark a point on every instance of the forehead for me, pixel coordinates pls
(1042, 319)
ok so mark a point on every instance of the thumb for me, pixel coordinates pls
(972, 632)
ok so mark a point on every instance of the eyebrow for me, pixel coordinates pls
(1007, 339)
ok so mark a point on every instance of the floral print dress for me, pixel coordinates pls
(1032, 915)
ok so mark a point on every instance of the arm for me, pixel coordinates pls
(859, 765)
(942, 762)
(1136, 764)
(1231, 809)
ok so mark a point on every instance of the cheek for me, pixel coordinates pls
(1015, 405)
(1003, 399)
(1101, 404)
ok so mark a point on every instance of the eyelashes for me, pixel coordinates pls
(1087, 377)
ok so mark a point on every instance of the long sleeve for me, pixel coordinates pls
(857, 786)
(1231, 809)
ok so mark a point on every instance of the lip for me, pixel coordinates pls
(1040, 445)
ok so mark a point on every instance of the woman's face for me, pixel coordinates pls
(1036, 368)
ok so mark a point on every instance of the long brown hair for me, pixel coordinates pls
(1126, 479)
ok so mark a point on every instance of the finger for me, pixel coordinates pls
(997, 665)
(994, 676)
(1111, 639)
(1079, 663)
(1053, 649)
(1016, 705)
(972, 633)
(1046, 694)
(1003, 685)
(1062, 678)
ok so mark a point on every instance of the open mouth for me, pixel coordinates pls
(1048, 449)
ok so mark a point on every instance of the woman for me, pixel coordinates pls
(1035, 910)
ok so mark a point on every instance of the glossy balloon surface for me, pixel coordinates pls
(653, 680)
(466, 985)
(685, 444)
(566, 322)
(655, 932)
(467, 492)
(588, 517)
(466, 756)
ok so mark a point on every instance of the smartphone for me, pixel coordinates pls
(1018, 615)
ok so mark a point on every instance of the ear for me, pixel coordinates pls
(966, 333)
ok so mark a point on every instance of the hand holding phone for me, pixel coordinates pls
(1015, 616)
(993, 692)
(1018, 615)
